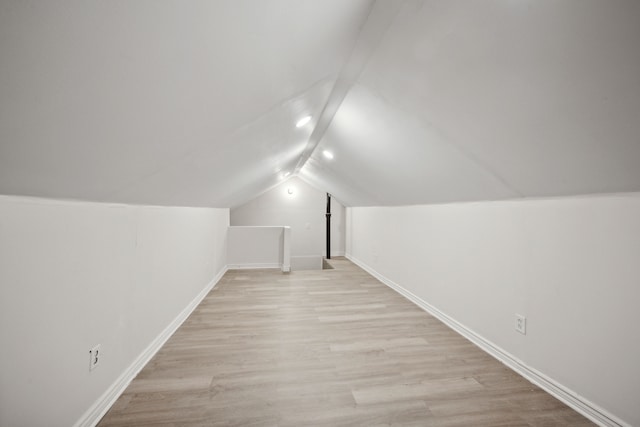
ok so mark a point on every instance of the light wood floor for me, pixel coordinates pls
(325, 348)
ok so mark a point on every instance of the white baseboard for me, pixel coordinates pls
(100, 407)
(337, 253)
(254, 266)
(562, 393)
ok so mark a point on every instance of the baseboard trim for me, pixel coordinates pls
(253, 266)
(572, 399)
(100, 407)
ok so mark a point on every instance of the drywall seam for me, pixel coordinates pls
(100, 407)
(572, 399)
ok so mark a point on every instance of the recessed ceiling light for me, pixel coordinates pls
(328, 154)
(286, 174)
(303, 121)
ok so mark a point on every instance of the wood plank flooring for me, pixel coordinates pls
(325, 348)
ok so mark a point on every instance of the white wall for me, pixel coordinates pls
(570, 265)
(76, 274)
(259, 247)
(338, 229)
(304, 211)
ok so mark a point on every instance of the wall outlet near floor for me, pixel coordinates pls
(94, 357)
(521, 324)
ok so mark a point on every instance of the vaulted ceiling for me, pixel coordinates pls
(196, 103)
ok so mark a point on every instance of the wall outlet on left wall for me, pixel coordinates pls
(521, 324)
(94, 357)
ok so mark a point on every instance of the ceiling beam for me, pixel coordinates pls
(379, 20)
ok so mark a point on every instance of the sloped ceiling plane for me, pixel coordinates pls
(418, 102)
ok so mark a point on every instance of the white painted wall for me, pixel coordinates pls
(75, 274)
(259, 247)
(570, 265)
(304, 211)
(338, 229)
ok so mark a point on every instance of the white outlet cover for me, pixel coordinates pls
(94, 357)
(521, 324)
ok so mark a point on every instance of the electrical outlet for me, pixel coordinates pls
(521, 324)
(94, 357)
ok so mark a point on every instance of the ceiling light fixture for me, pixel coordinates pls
(303, 121)
(328, 154)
